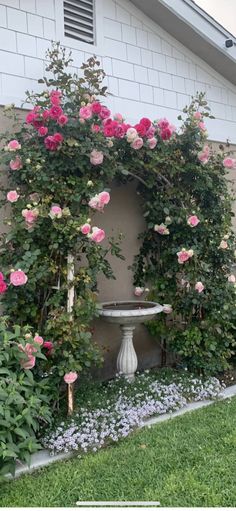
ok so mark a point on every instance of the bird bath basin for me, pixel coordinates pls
(128, 315)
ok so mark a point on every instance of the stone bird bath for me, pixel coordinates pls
(128, 315)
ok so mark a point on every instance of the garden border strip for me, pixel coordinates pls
(43, 458)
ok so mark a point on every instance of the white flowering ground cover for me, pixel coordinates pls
(109, 412)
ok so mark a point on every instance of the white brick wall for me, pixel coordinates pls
(148, 71)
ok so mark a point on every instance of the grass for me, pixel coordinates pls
(186, 462)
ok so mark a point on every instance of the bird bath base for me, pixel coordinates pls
(128, 315)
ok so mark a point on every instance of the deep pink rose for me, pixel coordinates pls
(146, 122)
(166, 134)
(43, 131)
(137, 143)
(104, 113)
(55, 97)
(62, 119)
(46, 115)
(108, 130)
(199, 287)
(152, 142)
(52, 142)
(3, 287)
(85, 112)
(193, 220)
(1, 276)
(119, 131)
(96, 157)
(13, 145)
(18, 278)
(96, 107)
(141, 129)
(30, 117)
(151, 132)
(97, 235)
(163, 124)
(55, 212)
(55, 112)
(12, 196)
(85, 229)
(138, 291)
(48, 345)
(70, 377)
(16, 164)
(229, 163)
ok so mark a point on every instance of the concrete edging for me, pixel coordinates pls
(43, 458)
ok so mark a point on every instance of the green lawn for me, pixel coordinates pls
(189, 461)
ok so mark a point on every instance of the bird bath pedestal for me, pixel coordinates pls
(128, 315)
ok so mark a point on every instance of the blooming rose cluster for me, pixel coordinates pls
(17, 278)
(30, 349)
(166, 129)
(184, 255)
(99, 201)
(93, 233)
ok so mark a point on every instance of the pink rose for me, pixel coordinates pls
(202, 126)
(85, 112)
(163, 124)
(223, 244)
(97, 235)
(95, 128)
(46, 115)
(38, 339)
(118, 117)
(96, 107)
(137, 143)
(62, 119)
(55, 112)
(104, 112)
(166, 134)
(3, 287)
(96, 157)
(138, 291)
(151, 132)
(70, 377)
(16, 164)
(12, 196)
(167, 308)
(104, 198)
(28, 350)
(55, 97)
(85, 229)
(30, 215)
(131, 135)
(141, 129)
(13, 145)
(55, 212)
(146, 122)
(18, 278)
(199, 287)
(30, 117)
(43, 131)
(152, 142)
(52, 142)
(193, 220)
(229, 163)
(232, 279)
(119, 131)
(99, 201)
(197, 115)
(161, 229)
(48, 345)
(184, 255)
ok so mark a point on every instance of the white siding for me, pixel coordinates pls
(149, 72)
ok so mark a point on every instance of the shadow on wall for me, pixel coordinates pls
(123, 214)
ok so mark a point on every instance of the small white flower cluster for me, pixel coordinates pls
(131, 404)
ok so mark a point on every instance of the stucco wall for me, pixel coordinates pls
(148, 71)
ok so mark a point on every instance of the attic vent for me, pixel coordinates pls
(79, 20)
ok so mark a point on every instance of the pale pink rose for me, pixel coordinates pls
(232, 279)
(138, 291)
(167, 308)
(16, 164)
(223, 244)
(18, 278)
(204, 155)
(30, 215)
(95, 128)
(199, 287)
(161, 229)
(28, 350)
(96, 157)
(13, 145)
(197, 115)
(184, 255)
(202, 126)
(97, 235)
(55, 212)
(131, 135)
(137, 143)
(12, 196)
(193, 220)
(38, 339)
(229, 163)
(152, 142)
(85, 112)
(85, 229)
(70, 377)
(94, 202)
(104, 198)
(118, 117)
